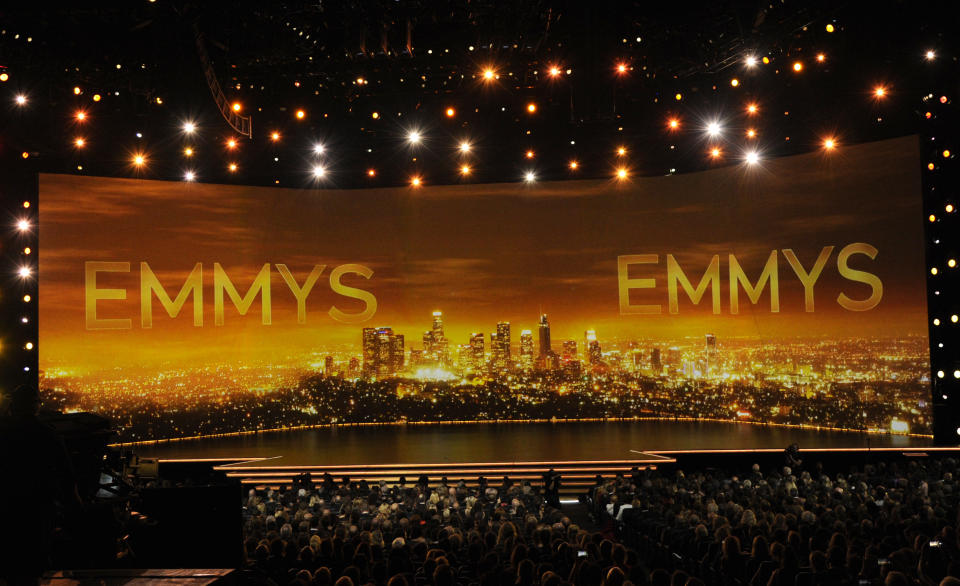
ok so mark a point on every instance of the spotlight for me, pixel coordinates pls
(451, 112)
(554, 71)
(79, 142)
(189, 176)
(930, 55)
(188, 152)
(318, 148)
(21, 99)
(81, 115)
(413, 137)
(23, 225)
(821, 57)
(274, 136)
(236, 107)
(798, 66)
(24, 272)
(233, 167)
(301, 114)
(318, 172)
(465, 147)
(715, 153)
(621, 151)
(752, 108)
(622, 173)
(713, 128)
(231, 144)
(465, 170)
(673, 124)
(880, 92)
(750, 61)
(829, 144)
(574, 165)
(621, 68)
(415, 181)
(752, 157)
(489, 74)
(189, 127)
(530, 177)
(139, 160)
(531, 107)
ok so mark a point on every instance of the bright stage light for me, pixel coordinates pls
(465, 170)
(318, 171)
(554, 71)
(80, 115)
(79, 142)
(236, 106)
(530, 177)
(231, 144)
(751, 133)
(930, 55)
(21, 99)
(23, 225)
(713, 128)
(465, 147)
(489, 74)
(451, 112)
(574, 165)
(415, 181)
(752, 108)
(414, 137)
(24, 272)
(318, 148)
(715, 152)
(750, 61)
(622, 173)
(752, 157)
(829, 144)
(189, 176)
(673, 124)
(139, 160)
(188, 152)
(880, 92)
(189, 127)
(621, 151)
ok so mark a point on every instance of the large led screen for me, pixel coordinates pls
(790, 291)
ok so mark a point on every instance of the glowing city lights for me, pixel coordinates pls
(554, 71)
(188, 152)
(673, 124)
(621, 68)
(715, 153)
(735, 82)
(821, 57)
(233, 167)
(274, 136)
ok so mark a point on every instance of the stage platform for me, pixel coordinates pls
(579, 451)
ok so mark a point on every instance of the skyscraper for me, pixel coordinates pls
(544, 331)
(328, 365)
(440, 343)
(369, 351)
(710, 349)
(526, 349)
(397, 358)
(500, 346)
(569, 349)
(476, 350)
(594, 355)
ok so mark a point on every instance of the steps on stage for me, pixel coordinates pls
(577, 475)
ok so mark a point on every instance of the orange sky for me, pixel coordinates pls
(480, 253)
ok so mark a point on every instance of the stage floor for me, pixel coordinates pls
(509, 442)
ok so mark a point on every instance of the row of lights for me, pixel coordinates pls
(25, 271)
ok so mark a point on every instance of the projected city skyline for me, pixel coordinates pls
(162, 300)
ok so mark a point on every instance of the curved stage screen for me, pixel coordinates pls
(790, 291)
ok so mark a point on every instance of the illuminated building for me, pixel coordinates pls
(569, 349)
(476, 350)
(501, 347)
(544, 330)
(328, 365)
(416, 357)
(369, 351)
(440, 344)
(526, 349)
(655, 364)
(594, 355)
(710, 349)
(383, 352)
(428, 348)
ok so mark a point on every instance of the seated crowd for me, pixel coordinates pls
(884, 524)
